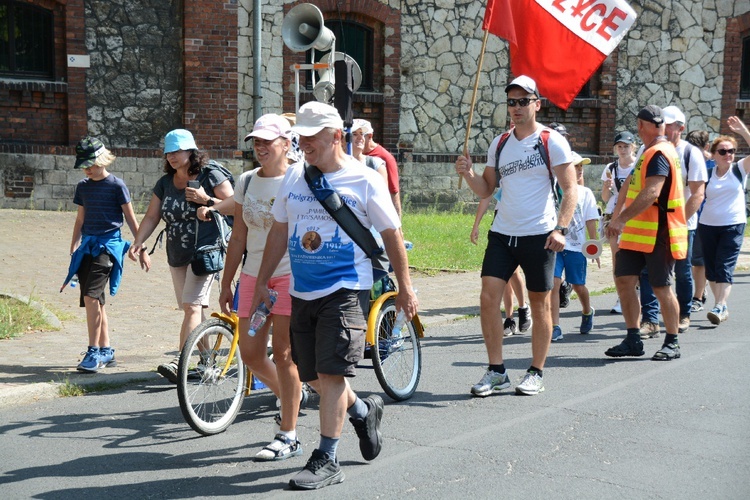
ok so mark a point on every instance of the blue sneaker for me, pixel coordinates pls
(107, 357)
(90, 361)
(587, 321)
(556, 333)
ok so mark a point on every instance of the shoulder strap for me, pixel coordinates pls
(686, 160)
(247, 183)
(543, 147)
(613, 167)
(220, 224)
(341, 213)
(500, 146)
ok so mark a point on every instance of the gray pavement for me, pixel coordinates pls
(144, 319)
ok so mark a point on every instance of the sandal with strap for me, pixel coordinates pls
(280, 448)
(668, 352)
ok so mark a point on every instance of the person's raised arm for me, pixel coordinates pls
(738, 127)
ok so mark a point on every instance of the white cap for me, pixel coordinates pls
(358, 123)
(525, 83)
(314, 116)
(673, 114)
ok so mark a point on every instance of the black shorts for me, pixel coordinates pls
(505, 253)
(93, 276)
(659, 262)
(328, 334)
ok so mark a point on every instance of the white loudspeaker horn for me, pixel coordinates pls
(326, 85)
(592, 249)
(303, 29)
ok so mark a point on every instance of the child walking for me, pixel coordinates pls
(571, 259)
(97, 249)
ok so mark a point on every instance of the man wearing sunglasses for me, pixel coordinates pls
(653, 234)
(527, 230)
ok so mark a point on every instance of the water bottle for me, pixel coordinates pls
(399, 323)
(74, 281)
(261, 314)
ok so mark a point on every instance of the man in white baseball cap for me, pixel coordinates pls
(331, 282)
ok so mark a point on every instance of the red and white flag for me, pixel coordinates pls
(559, 43)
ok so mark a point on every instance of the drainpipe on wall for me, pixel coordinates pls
(257, 92)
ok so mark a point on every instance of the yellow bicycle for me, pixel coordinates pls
(212, 381)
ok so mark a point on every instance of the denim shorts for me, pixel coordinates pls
(505, 253)
(574, 265)
(328, 334)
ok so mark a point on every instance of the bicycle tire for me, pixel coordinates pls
(397, 361)
(208, 401)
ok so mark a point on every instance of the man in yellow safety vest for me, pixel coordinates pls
(653, 234)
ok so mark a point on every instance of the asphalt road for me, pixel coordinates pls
(629, 428)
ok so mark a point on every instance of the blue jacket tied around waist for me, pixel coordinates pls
(93, 245)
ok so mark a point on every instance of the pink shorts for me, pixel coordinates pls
(283, 306)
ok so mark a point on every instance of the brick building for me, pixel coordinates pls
(128, 71)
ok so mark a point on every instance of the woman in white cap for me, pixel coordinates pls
(190, 180)
(360, 129)
(251, 206)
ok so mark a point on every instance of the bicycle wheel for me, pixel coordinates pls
(210, 400)
(397, 360)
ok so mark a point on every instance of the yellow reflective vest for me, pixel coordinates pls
(640, 231)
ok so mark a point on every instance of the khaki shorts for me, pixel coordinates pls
(189, 288)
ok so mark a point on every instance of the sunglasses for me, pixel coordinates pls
(523, 102)
(723, 152)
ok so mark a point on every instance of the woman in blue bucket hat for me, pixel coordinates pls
(190, 181)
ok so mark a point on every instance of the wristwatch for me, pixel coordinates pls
(210, 202)
(563, 230)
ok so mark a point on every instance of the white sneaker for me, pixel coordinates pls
(531, 384)
(616, 309)
(491, 382)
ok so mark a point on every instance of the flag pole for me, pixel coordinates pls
(473, 101)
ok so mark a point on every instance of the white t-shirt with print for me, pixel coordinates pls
(621, 174)
(323, 256)
(725, 198)
(527, 206)
(256, 213)
(696, 172)
(585, 211)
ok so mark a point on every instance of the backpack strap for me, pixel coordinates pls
(686, 160)
(613, 168)
(330, 200)
(543, 146)
(500, 146)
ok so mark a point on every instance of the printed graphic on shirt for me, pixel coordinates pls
(257, 213)
(319, 264)
(531, 161)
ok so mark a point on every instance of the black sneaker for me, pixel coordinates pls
(626, 348)
(169, 370)
(524, 319)
(565, 290)
(368, 428)
(320, 471)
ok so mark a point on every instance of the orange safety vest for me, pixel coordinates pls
(640, 231)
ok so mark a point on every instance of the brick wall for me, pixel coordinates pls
(737, 29)
(210, 59)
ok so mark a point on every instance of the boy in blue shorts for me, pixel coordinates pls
(571, 259)
(97, 249)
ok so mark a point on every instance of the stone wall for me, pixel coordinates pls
(135, 81)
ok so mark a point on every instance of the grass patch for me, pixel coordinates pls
(71, 389)
(17, 317)
(441, 240)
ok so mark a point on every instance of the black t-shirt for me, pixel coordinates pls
(659, 165)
